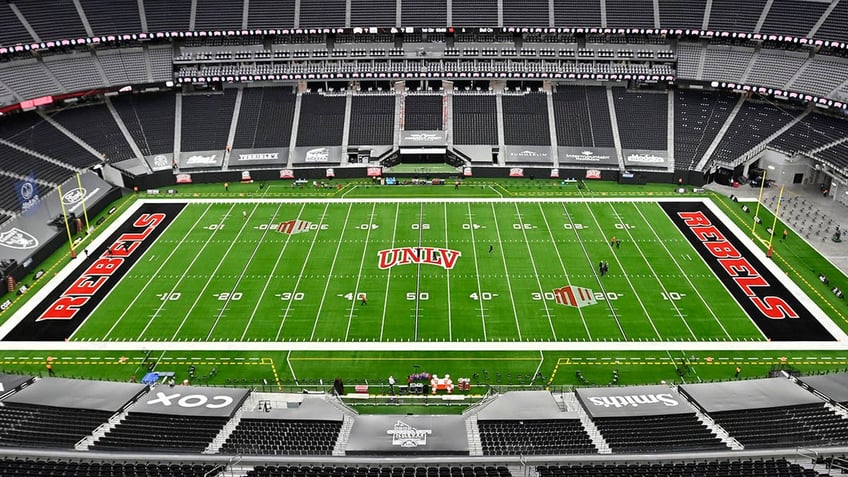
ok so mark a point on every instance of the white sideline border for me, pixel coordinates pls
(430, 346)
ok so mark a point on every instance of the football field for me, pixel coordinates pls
(418, 271)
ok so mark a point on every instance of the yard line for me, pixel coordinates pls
(330, 275)
(561, 264)
(591, 264)
(506, 270)
(359, 275)
(302, 269)
(268, 282)
(450, 331)
(149, 282)
(651, 268)
(418, 270)
(620, 267)
(477, 271)
(535, 271)
(679, 267)
(182, 277)
(389, 274)
(241, 275)
(212, 275)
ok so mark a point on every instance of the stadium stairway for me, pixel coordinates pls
(475, 446)
(571, 403)
(718, 430)
(344, 436)
(702, 163)
(214, 447)
(86, 443)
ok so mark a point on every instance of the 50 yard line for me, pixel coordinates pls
(418, 275)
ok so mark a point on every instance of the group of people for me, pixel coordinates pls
(603, 268)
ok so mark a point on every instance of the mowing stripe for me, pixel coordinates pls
(506, 268)
(301, 274)
(591, 265)
(679, 267)
(477, 272)
(562, 265)
(359, 274)
(332, 267)
(535, 272)
(150, 282)
(268, 281)
(389, 275)
(450, 326)
(212, 275)
(618, 262)
(418, 270)
(184, 274)
(636, 245)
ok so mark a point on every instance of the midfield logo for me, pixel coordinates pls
(442, 257)
(574, 296)
(405, 435)
(292, 227)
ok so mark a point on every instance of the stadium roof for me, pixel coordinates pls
(518, 405)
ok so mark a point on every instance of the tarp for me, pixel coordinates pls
(476, 154)
(21, 236)
(528, 154)
(524, 405)
(77, 394)
(201, 160)
(423, 139)
(401, 434)
(133, 167)
(749, 394)
(242, 158)
(9, 382)
(633, 401)
(645, 158)
(588, 157)
(319, 154)
(191, 401)
(834, 386)
(310, 409)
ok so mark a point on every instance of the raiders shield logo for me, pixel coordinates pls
(17, 239)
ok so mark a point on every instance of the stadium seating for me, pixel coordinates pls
(374, 13)
(31, 425)
(577, 13)
(753, 124)
(803, 425)
(642, 119)
(582, 117)
(812, 132)
(322, 13)
(786, 17)
(682, 13)
(630, 13)
(372, 120)
(475, 119)
(730, 15)
(165, 15)
(161, 432)
(270, 14)
(525, 13)
(328, 111)
(12, 31)
(265, 118)
(111, 17)
(657, 434)
(833, 28)
(95, 125)
(31, 131)
(206, 120)
(836, 156)
(470, 13)
(149, 119)
(723, 468)
(534, 437)
(423, 112)
(11, 160)
(525, 118)
(282, 437)
(387, 471)
(698, 118)
(60, 21)
(76, 468)
(219, 15)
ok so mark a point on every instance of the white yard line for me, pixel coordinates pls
(682, 271)
(635, 244)
(450, 323)
(506, 270)
(224, 255)
(535, 271)
(627, 277)
(477, 272)
(241, 275)
(268, 282)
(389, 275)
(152, 279)
(185, 273)
(598, 280)
(418, 272)
(300, 275)
(291, 368)
(562, 265)
(330, 275)
(353, 303)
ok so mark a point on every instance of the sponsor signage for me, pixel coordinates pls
(593, 174)
(406, 436)
(528, 154)
(773, 308)
(423, 139)
(388, 435)
(441, 257)
(183, 178)
(27, 192)
(297, 226)
(160, 162)
(645, 158)
(191, 401)
(317, 155)
(588, 156)
(516, 172)
(65, 309)
(286, 174)
(633, 401)
(255, 157)
(201, 160)
(21, 236)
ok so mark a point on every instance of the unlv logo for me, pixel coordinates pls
(18, 239)
(292, 227)
(442, 257)
(574, 296)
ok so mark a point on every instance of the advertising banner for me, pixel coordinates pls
(201, 159)
(423, 139)
(320, 154)
(588, 156)
(528, 154)
(645, 158)
(256, 157)
(516, 172)
(183, 178)
(160, 162)
(286, 174)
